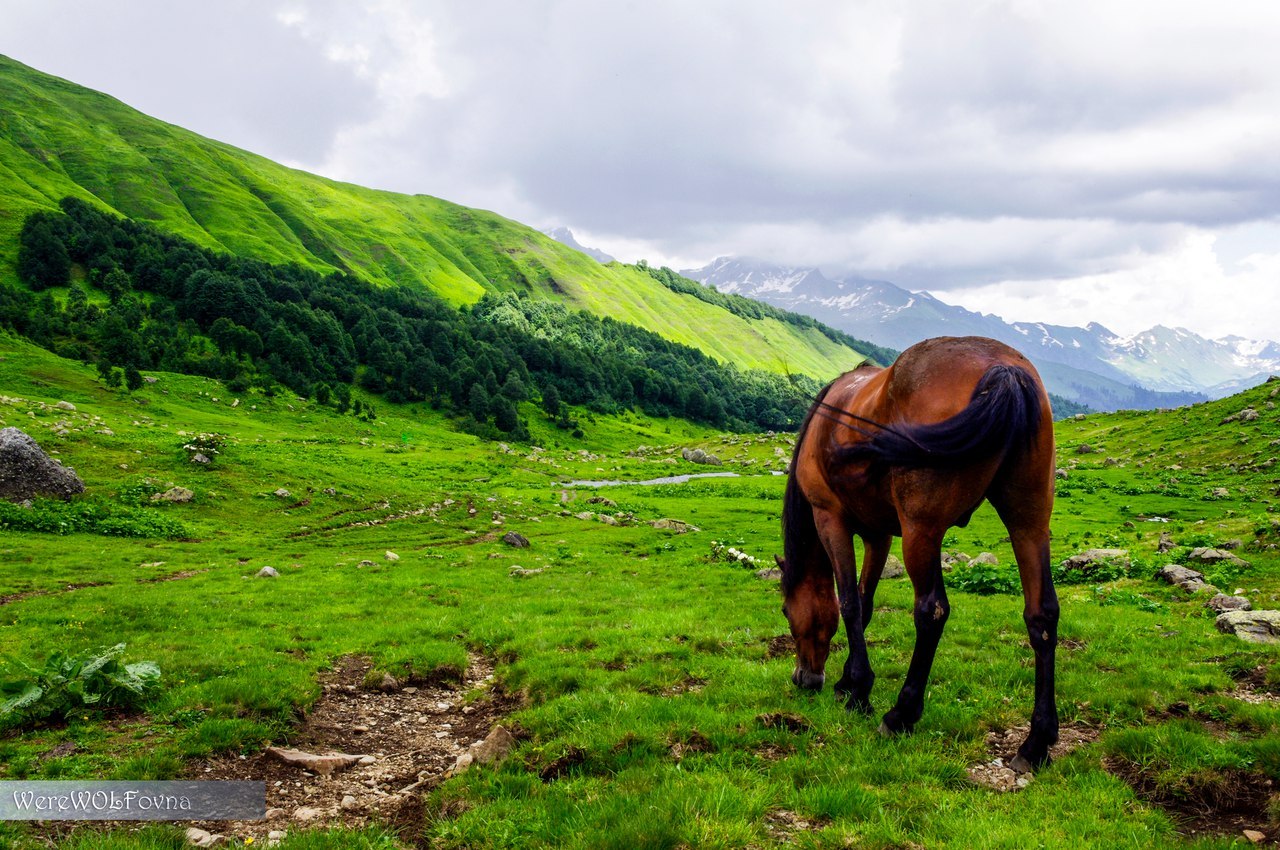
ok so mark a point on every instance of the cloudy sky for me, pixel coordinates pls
(1054, 161)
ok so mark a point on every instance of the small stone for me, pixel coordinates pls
(516, 539)
(199, 457)
(986, 558)
(281, 493)
(520, 572)
(349, 802)
(174, 494)
(390, 556)
(365, 563)
(389, 683)
(893, 568)
(306, 813)
(65, 405)
(197, 837)
(1254, 836)
(268, 572)
(770, 574)
(323, 764)
(367, 760)
(329, 491)
(676, 525)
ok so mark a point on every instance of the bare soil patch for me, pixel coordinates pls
(408, 738)
(1234, 801)
(1002, 746)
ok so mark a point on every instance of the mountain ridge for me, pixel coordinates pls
(1093, 365)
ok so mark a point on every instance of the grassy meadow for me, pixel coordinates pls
(655, 708)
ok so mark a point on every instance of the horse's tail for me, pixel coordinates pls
(1003, 414)
(799, 532)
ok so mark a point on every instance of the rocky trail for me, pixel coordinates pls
(363, 754)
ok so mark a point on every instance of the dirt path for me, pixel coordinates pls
(407, 738)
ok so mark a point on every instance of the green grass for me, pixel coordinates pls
(633, 645)
(58, 139)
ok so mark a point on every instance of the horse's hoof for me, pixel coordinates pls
(1022, 764)
(885, 731)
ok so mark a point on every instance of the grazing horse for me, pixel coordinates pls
(912, 450)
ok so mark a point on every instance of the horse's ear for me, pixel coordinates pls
(782, 565)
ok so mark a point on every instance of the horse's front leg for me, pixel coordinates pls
(856, 681)
(922, 552)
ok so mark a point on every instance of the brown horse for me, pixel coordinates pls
(912, 450)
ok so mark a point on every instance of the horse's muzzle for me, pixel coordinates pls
(807, 679)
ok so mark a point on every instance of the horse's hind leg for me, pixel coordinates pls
(1029, 532)
(875, 552)
(922, 552)
(856, 680)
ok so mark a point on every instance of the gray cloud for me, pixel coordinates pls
(938, 144)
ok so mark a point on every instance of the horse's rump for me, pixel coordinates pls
(1003, 411)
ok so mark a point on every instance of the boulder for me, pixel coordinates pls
(1223, 603)
(516, 539)
(1187, 579)
(1251, 626)
(1092, 559)
(1206, 555)
(26, 471)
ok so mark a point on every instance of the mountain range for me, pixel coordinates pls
(1160, 367)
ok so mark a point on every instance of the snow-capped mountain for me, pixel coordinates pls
(564, 236)
(1093, 365)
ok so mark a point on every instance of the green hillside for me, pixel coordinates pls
(643, 666)
(58, 139)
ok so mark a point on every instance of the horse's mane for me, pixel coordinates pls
(798, 529)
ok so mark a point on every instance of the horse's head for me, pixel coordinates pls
(811, 610)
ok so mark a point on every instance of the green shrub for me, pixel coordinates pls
(985, 579)
(70, 683)
(91, 516)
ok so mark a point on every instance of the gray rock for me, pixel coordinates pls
(349, 802)
(65, 405)
(516, 539)
(1187, 579)
(1223, 603)
(893, 568)
(606, 519)
(494, 749)
(602, 500)
(986, 558)
(323, 764)
(390, 556)
(518, 571)
(676, 525)
(174, 494)
(770, 574)
(1061, 473)
(1166, 543)
(306, 813)
(149, 379)
(26, 471)
(268, 572)
(1206, 555)
(281, 493)
(1251, 626)
(1090, 559)
(199, 457)
(329, 491)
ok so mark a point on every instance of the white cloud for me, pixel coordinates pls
(1187, 286)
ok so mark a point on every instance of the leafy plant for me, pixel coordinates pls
(68, 683)
(92, 516)
(985, 579)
